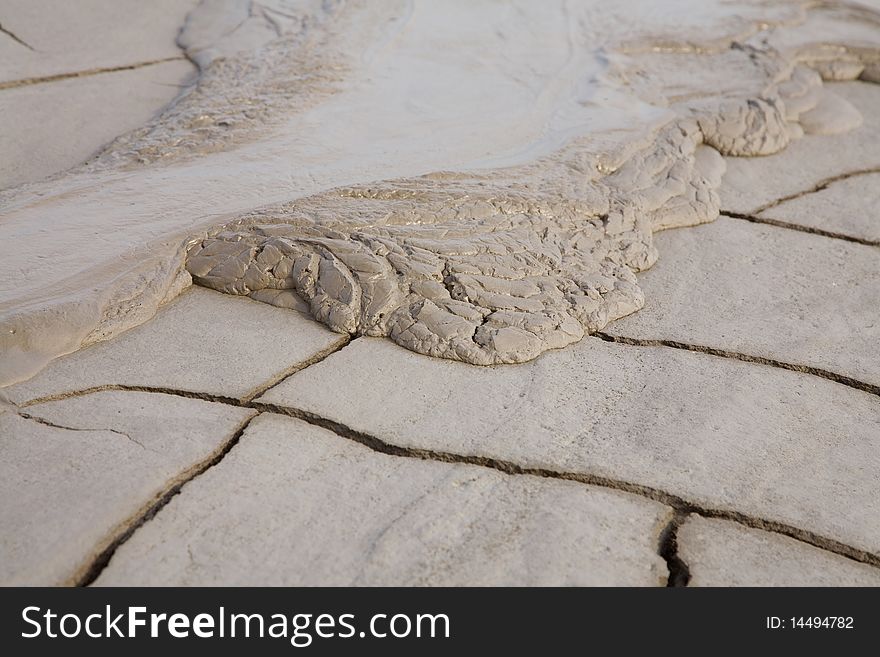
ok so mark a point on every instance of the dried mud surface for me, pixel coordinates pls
(524, 248)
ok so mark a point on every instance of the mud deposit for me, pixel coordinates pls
(475, 181)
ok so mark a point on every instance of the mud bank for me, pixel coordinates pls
(525, 155)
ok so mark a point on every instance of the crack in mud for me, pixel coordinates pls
(16, 38)
(48, 423)
(192, 394)
(343, 342)
(679, 504)
(747, 358)
(679, 572)
(24, 82)
(189, 394)
(94, 568)
(799, 227)
(818, 187)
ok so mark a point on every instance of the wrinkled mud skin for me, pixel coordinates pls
(485, 267)
(471, 268)
(501, 266)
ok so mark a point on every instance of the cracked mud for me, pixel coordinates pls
(678, 570)
(501, 266)
(486, 261)
(490, 258)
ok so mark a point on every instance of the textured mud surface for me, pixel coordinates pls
(485, 269)
(727, 434)
(499, 266)
(402, 170)
(260, 61)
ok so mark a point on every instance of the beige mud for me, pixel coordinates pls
(520, 191)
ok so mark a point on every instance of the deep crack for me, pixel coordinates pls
(204, 396)
(678, 503)
(339, 345)
(679, 573)
(667, 548)
(191, 394)
(93, 570)
(747, 358)
(669, 499)
(799, 227)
